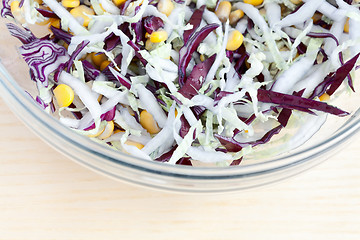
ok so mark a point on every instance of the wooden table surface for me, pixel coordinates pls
(44, 195)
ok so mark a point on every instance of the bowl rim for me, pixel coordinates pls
(274, 164)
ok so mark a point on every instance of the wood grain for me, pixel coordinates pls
(44, 195)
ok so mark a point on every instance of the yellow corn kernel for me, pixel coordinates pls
(55, 22)
(138, 145)
(16, 11)
(147, 35)
(324, 97)
(346, 26)
(81, 14)
(254, 2)
(202, 57)
(109, 128)
(104, 64)
(234, 41)
(235, 16)
(64, 95)
(165, 7)
(70, 3)
(14, 5)
(98, 58)
(118, 2)
(158, 36)
(176, 112)
(296, 1)
(223, 11)
(148, 122)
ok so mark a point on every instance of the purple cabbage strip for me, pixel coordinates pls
(124, 6)
(334, 80)
(234, 146)
(166, 156)
(77, 115)
(176, 100)
(42, 57)
(137, 54)
(123, 80)
(61, 34)
(301, 48)
(285, 113)
(284, 116)
(195, 21)
(152, 24)
(230, 55)
(220, 95)
(108, 116)
(47, 13)
(77, 51)
(236, 162)
(322, 51)
(323, 35)
(185, 127)
(184, 161)
(179, 1)
(240, 67)
(107, 71)
(41, 102)
(341, 58)
(189, 48)
(198, 111)
(291, 101)
(341, 74)
(24, 35)
(67, 65)
(38, 101)
(138, 28)
(90, 71)
(111, 42)
(6, 10)
(197, 75)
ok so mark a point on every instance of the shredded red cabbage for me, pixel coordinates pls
(6, 10)
(295, 102)
(152, 24)
(196, 78)
(195, 21)
(334, 80)
(23, 34)
(189, 48)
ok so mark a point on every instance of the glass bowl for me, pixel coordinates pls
(255, 171)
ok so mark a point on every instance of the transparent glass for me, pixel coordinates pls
(254, 172)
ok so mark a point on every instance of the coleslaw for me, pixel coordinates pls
(184, 81)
